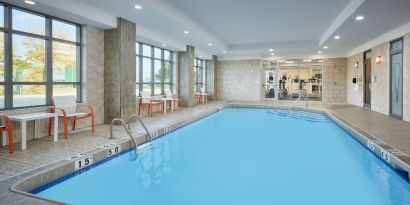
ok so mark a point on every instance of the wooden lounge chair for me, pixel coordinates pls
(66, 106)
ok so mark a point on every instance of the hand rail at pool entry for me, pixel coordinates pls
(125, 127)
(304, 96)
(143, 125)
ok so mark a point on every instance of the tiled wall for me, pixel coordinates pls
(380, 93)
(239, 80)
(406, 78)
(334, 80)
(380, 97)
(355, 95)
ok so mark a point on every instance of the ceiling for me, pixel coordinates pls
(239, 29)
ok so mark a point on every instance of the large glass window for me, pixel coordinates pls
(298, 77)
(154, 69)
(199, 73)
(39, 58)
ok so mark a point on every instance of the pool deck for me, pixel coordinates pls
(43, 152)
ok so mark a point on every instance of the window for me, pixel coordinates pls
(39, 58)
(199, 73)
(154, 69)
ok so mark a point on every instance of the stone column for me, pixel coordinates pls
(119, 71)
(211, 76)
(93, 72)
(186, 76)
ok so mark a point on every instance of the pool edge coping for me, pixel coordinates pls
(28, 183)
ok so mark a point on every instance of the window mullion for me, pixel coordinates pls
(152, 71)
(8, 71)
(49, 62)
(162, 72)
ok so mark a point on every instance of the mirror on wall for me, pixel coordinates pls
(298, 75)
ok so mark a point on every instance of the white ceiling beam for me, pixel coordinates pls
(343, 16)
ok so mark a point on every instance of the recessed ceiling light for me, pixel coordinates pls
(359, 18)
(271, 50)
(186, 32)
(163, 45)
(307, 60)
(224, 51)
(138, 6)
(319, 52)
(325, 47)
(29, 2)
(272, 54)
(337, 37)
(209, 44)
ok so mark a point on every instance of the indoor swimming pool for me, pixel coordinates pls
(240, 156)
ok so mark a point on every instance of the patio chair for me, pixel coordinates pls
(175, 100)
(204, 95)
(146, 99)
(9, 129)
(66, 106)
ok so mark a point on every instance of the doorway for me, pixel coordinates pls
(270, 79)
(367, 98)
(396, 78)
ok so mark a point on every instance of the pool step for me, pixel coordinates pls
(297, 114)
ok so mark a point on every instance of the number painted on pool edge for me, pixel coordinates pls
(114, 150)
(81, 163)
(370, 145)
(385, 156)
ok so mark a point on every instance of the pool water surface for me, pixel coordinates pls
(242, 156)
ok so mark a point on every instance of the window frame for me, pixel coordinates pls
(140, 83)
(48, 38)
(202, 67)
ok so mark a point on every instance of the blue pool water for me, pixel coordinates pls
(242, 156)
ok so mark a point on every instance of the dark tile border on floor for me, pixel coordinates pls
(18, 187)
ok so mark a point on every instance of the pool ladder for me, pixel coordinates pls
(127, 127)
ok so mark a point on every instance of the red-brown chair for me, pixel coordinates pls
(66, 106)
(9, 129)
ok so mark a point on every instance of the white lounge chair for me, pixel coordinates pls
(203, 95)
(175, 100)
(66, 107)
(146, 99)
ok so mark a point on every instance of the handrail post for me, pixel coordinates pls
(125, 127)
(143, 125)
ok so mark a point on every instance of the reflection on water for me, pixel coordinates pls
(152, 164)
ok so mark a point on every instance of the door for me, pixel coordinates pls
(367, 79)
(396, 79)
(270, 86)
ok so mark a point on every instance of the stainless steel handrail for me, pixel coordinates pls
(125, 127)
(304, 96)
(143, 125)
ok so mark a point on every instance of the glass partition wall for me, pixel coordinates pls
(296, 76)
